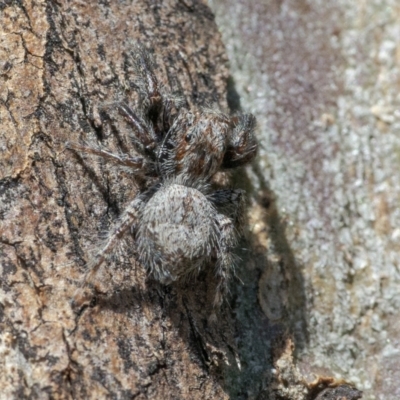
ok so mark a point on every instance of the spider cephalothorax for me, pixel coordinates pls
(179, 223)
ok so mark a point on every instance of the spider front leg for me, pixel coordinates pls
(138, 164)
(158, 105)
(148, 85)
(144, 137)
(150, 90)
(242, 145)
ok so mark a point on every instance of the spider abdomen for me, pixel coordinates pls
(177, 233)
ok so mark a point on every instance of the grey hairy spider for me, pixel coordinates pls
(179, 223)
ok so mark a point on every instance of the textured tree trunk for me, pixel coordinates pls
(323, 79)
(63, 67)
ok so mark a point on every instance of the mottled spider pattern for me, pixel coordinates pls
(180, 224)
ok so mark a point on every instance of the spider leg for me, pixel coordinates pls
(170, 106)
(160, 107)
(230, 203)
(124, 224)
(117, 232)
(149, 87)
(230, 219)
(144, 137)
(242, 146)
(225, 258)
(138, 164)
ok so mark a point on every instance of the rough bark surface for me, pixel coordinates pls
(323, 79)
(62, 65)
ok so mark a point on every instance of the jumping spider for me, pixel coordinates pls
(179, 223)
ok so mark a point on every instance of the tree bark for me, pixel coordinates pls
(64, 66)
(323, 80)
(63, 63)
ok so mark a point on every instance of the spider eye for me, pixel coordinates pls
(188, 137)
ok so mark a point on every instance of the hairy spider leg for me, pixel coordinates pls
(230, 220)
(242, 147)
(230, 203)
(225, 258)
(144, 138)
(137, 163)
(159, 106)
(150, 89)
(117, 232)
(168, 116)
(125, 223)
